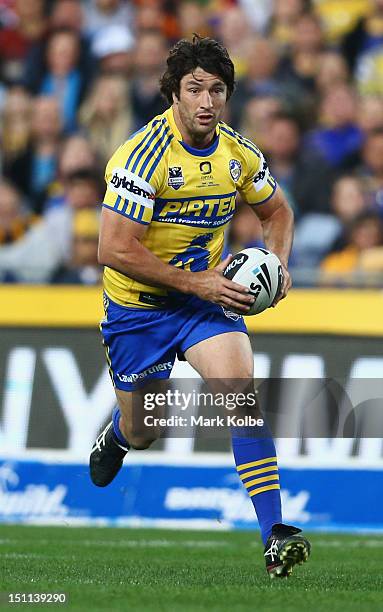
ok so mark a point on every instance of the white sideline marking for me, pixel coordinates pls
(163, 543)
(354, 544)
(151, 543)
(16, 555)
(128, 543)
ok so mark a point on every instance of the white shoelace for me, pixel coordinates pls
(101, 439)
(272, 551)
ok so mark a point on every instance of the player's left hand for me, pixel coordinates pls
(285, 286)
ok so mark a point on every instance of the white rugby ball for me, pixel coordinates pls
(259, 270)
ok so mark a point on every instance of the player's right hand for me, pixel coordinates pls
(213, 286)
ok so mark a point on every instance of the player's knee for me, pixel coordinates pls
(243, 384)
(140, 443)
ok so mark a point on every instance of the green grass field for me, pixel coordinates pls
(156, 570)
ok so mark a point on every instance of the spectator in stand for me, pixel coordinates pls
(256, 117)
(65, 15)
(332, 71)
(301, 63)
(366, 36)
(365, 233)
(261, 78)
(83, 189)
(101, 14)
(235, 32)
(348, 199)
(83, 267)
(299, 66)
(75, 154)
(283, 20)
(15, 219)
(370, 113)
(317, 234)
(28, 251)
(369, 73)
(369, 121)
(192, 17)
(371, 168)
(339, 17)
(33, 169)
(338, 135)
(145, 99)
(61, 77)
(21, 27)
(150, 15)
(106, 115)
(69, 14)
(257, 13)
(113, 49)
(15, 119)
(306, 179)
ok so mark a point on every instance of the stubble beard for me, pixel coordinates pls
(198, 134)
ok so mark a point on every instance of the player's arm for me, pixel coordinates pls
(120, 248)
(267, 200)
(277, 221)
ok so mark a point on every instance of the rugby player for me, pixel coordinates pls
(171, 190)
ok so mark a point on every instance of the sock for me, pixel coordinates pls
(256, 463)
(116, 428)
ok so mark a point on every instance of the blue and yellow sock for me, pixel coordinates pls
(257, 467)
(120, 439)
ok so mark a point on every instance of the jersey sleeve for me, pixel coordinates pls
(258, 185)
(129, 191)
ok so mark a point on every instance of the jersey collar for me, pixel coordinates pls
(192, 150)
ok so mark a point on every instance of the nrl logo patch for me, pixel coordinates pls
(235, 169)
(175, 178)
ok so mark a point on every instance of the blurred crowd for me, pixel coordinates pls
(78, 77)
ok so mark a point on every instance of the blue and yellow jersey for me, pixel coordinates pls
(185, 196)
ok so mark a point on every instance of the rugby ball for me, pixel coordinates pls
(259, 270)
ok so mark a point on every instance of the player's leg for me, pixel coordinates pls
(129, 418)
(126, 430)
(140, 352)
(228, 357)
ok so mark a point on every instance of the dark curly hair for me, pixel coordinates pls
(186, 56)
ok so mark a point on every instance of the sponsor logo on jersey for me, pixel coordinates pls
(122, 181)
(207, 212)
(235, 169)
(207, 178)
(127, 184)
(260, 179)
(175, 178)
(205, 167)
(158, 367)
(231, 315)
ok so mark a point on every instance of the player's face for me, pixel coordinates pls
(201, 103)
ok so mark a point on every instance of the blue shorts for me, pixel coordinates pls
(142, 344)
